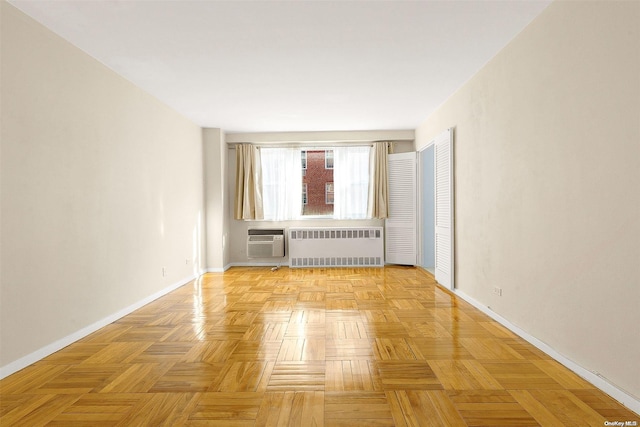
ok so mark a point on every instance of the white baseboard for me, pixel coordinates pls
(598, 381)
(45, 351)
(246, 264)
(259, 264)
(217, 270)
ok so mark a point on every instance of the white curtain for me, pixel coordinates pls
(351, 182)
(281, 183)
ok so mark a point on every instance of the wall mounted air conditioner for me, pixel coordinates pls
(265, 243)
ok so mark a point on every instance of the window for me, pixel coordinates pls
(328, 193)
(298, 183)
(328, 159)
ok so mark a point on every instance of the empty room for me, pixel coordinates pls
(319, 213)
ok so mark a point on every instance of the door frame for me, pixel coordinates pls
(420, 228)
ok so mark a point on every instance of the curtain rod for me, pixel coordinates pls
(307, 144)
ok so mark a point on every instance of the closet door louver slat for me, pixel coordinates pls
(444, 209)
(400, 227)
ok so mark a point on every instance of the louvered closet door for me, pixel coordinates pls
(400, 227)
(444, 209)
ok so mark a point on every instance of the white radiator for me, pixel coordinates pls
(336, 247)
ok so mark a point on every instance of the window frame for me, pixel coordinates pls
(305, 194)
(328, 185)
(326, 159)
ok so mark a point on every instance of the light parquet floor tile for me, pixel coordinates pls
(347, 329)
(266, 331)
(393, 349)
(380, 316)
(161, 409)
(292, 408)
(80, 379)
(137, 378)
(352, 375)
(39, 411)
(491, 408)
(188, 377)
(487, 348)
(118, 352)
(357, 409)
(521, 375)
(244, 376)
(423, 408)
(343, 349)
(604, 405)
(76, 353)
(304, 347)
(407, 375)
(237, 409)
(162, 352)
(297, 376)
(312, 348)
(105, 335)
(463, 375)
(436, 348)
(210, 351)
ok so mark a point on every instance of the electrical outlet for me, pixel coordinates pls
(497, 291)
(186, 261)
(164, 271)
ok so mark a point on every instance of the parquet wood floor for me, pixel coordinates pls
(321, 347)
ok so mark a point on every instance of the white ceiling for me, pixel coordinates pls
(257, 66)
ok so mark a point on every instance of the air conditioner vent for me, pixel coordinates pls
(266, 238)
(265, 243)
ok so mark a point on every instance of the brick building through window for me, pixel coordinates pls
(315, 179)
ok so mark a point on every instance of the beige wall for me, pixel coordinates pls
(101, 189)
(547, 170)
(216, 198)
